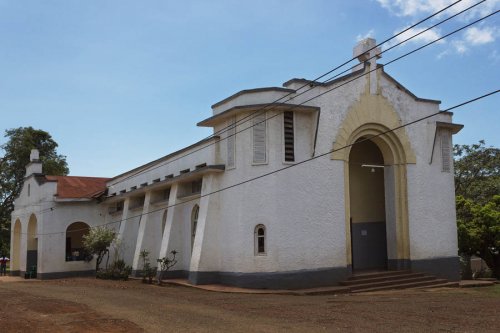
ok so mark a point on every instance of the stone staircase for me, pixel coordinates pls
(386, 280)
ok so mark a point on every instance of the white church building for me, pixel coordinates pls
(247, 207)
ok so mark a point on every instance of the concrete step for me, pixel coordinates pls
(391, 277)
(363, 276)
(407, 285)
(370, 285)
(441, 285)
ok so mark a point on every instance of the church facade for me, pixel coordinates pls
(291, 194)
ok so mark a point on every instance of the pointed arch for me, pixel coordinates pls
(194, 223)
(16, 246)
(372, 118)
(32, 243)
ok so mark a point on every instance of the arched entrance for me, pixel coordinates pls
(32, 244)
(367, 206)
(74, 241)
(16, 247)
(372, 117)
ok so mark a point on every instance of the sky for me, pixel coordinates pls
(118, 83)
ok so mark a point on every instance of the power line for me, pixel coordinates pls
(293, 165)
(309, 83)
(323, 93)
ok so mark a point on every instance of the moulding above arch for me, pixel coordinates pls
(373, 114)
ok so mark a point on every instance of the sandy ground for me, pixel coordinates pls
(89, 305)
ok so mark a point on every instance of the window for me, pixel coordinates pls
(288, 136)
(75, 250)
(259, 139)
(196, 186)
(446, 150)
(231, 142)
(260, 239)
(164, 221)
(29, 190)
(194, 223)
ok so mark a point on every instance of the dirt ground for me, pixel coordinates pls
(89, 305)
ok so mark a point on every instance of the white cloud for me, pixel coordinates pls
(422, 38)
(459, 46)
(369, 34)
(419, 7)
(478, 36)
(472, 37)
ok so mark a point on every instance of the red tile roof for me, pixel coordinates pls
(71, 187)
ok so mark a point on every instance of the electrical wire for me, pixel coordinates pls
(292, 165)
(311, 84)
(298, 163)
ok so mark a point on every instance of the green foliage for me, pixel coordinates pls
(97, 242)
(477, 172)
(165, 264)
(477, 185)
(148, 272)
(479, 230)
(117, 271)
(16, 156)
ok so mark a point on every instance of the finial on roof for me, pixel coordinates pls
(366, 49)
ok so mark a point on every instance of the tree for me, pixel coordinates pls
(16, 156)
(479, 230)
(477, 186)
(165, 264)
(97, 242)
(477, 171)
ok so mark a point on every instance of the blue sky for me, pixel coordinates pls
(120, 83)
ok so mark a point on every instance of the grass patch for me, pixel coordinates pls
(492, 290)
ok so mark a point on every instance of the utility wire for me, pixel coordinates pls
(355, 78)
(311, 84)
(293, 165)
(323, 93)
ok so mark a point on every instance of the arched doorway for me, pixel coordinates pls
(16, 247)
(367, 206)
(32, 244)
(74, 241)
(194, 223)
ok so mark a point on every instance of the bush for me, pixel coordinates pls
(117, 271)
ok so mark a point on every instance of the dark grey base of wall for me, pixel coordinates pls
(15, 273)
(178, 274)
(275, 280)
(446, 268)
(60, 275)
(398, 264)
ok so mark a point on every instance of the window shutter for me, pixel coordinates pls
(259, 139)
(446, 150)
(288, 136)
(231, 140)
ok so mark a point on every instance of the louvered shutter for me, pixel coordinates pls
(259, 138)
(288, 136)
(231, 140)
(446, 150)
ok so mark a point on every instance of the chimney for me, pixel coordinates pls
(366, 51)
(35, 155)
(35, 165)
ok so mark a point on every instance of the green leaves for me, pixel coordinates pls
(16, 156)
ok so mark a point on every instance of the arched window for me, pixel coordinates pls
(164, 221)
(74, 241)
(260, 239)
(194, 223)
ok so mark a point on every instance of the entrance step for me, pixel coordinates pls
(375, 281)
